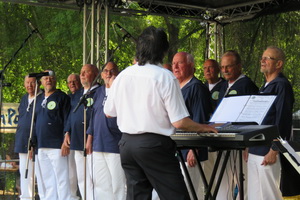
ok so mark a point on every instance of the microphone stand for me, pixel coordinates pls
(83, 100)
(84, 97)
(84, 145)
(11, 59)
(32, 144)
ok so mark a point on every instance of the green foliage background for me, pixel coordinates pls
(61, 49)
(252, 37)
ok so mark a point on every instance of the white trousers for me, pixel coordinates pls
(196, 180)
(79, 160)
(26, 183)
(109, 178)
(73, 175)
(208, 167)
(263, 181)
(231, 177)
(55, 174)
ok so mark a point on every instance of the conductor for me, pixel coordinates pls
(149, 105)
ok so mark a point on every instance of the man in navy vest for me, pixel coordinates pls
(74, 84)
(263, 161)
(104, 136)
(52, 109)
(236, 83)
(74, 131)
(21, 140)
(197, 100)
(214, 83)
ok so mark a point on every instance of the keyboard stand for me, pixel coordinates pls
(208, 186)
(187, 175)
(241, 178)
(214, 175)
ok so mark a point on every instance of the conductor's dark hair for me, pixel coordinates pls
(151, 46)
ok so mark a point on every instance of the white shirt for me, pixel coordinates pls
(212, 85)
(231, 84)
(146, 99)
(93, 87)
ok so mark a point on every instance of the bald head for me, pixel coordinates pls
(87, 75)
(183, 66)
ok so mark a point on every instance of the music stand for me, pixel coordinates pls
(290, 150)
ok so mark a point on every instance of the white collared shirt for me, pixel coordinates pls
(93, 87)
(146, 99)
(212, 85)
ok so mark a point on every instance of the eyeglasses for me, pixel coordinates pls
(268, 58)
(106, 71)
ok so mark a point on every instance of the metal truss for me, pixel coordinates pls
(214, 41)
(95, 44)
(216, 16)
(201, 10)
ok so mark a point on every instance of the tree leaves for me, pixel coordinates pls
(61, 49)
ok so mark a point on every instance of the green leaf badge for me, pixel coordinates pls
(90, 102)
(232, 92)
(51, 105)
(215, 95)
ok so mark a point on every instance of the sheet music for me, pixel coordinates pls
(256, 108)
(246, 108)
(229, 109)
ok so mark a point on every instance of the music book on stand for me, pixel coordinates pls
(244, 108)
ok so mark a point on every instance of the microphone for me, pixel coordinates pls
(34, 29)
(127, 34)
(39, 75)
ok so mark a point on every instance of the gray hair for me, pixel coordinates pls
(279, 52)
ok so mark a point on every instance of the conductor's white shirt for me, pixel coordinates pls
(146, 99)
